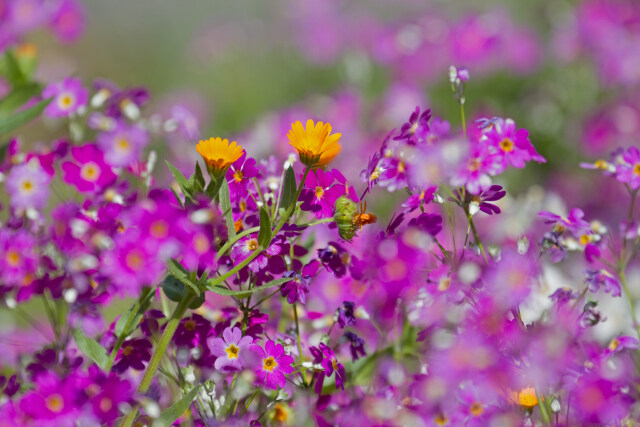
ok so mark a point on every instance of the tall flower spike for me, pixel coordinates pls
(315, 144)
(219, 154)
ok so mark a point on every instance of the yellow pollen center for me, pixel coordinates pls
(601, 164)
(279, 413)
(413, 128)
(401, 167)
(444, 284)
(243, 206)
(584, 239)
(90, 172)
(269, 364)
(159, 229)
(319, 192)
(476, 409)
(27, 186)
(441, 420)
(13, 258)
(190, 325)
(252, 244)
(636, 169)
(506, 145)
(127, 350)
(66, 101)
(54, 403)
(123, 145)
(474, 164)
(232, 351)
(375, 175)
(134, 260)
(105, 404)
(613, 345)
(237, 176)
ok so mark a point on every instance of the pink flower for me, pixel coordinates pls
(123, 145)
(28, 186)
(273, 365)
(231, 350)
(68, 96)
(628, 172)
(88, 172)
(512, 146)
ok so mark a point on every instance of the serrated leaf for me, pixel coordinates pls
(134, 314)
(221, 290)
(180, 273)
(181, 180)
(225, 205)
(21, 117)
(264, 235)
(91, 348)
(169, 416)
(288, 189)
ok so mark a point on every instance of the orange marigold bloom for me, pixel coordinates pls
(315, 144)
(219, 154)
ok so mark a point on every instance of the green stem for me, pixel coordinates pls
(165, 339)
(253, 395)
(292, 208)
(234, 270)
(632, 306)
(464, 120)
(300, 359)
(477, 237)
(276, 206)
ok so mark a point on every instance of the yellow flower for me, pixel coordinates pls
(526, 397)
(219, 154)
(315, 144)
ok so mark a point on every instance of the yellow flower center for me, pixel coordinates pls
(127, 350)
(269, 364)
(584, 239)
(237, 176)
(476, 409)
(636, 169)
(441, 420)
(280, 414)
(134, 260)
(601, 164)
(105, 404)
(444, 284)
(474, 164)
(613, 345)
(190, 325)
(66, 100)
(159, 229)
(27, 186)
(13, 258)
(319, 192)
(123, 145)
(90, 172)
(232, 351)
(54, 403)
(252, 244)
(375, 175)
(506, 145)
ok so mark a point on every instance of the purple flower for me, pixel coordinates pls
(337, 259)
(429, 223)
(122, 146)
(28, 186)
(617, 344)
(106, 393)
(231, 350)
(415, 130)
(298, 288)
(574, 222)
(239, 175)
(320, 195)
(273, 365)
(356, 345)
(597, 278)
(68, 20)
(68, 96)
(133, 353)
(628, 172)
(325, 357)
(418, 200)
(267, 259)
(476, 173)
(18, 257)
(88, 172)
(53, 400)
(346, 315)
(192, 331)
(479, 202)
(512, 145)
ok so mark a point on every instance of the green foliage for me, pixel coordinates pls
(91, 348)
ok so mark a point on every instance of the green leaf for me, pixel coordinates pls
(178, 199)
(21, 117)
(134, 314)
(221, 290)
(225, 205)
(264, 235)
(180, 273)
(91, 348)
(172, 288)
(198, 179)
(288, 189)
(12, 71)
(168, 417)
(17, 98)
(181, 180)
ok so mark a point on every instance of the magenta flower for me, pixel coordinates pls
(512, 145)
(319, 195)
(574, 222)
(68, 97)
(420, 199)
(133, 354)
(231, 350)
(267, 259)
(28, 186)
(88, 172)
(415, 130)
(476, 172)
(298, 288)
(123, 145)
(597, 278)
(324, 356)
(106, 393)
(239, 175)
(18, 257)
(628, 172)
(53, 401)
(68, 21)
(273, 365)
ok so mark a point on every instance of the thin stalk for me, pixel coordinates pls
(276, 206)
(253, 395)
(300, 359)
(632, 306)
(477, 237)
(464, 120)
(257, 185)
(157, 356)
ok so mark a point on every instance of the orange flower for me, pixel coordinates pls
(219, 154)
(315, 144)
(526, 397)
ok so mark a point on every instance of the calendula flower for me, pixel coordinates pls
(219, 154)
(315, 144)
